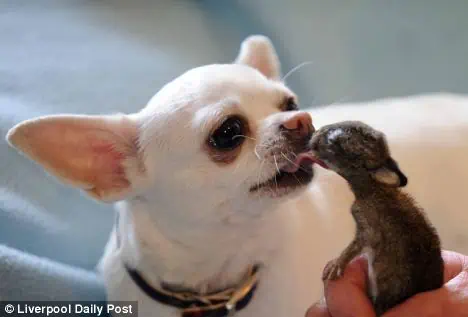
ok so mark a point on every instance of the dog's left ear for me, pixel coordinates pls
(98, 154)
(390, 174)
(258, 52)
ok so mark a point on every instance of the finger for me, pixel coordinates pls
(459, 284)
(454, 263)
(347, 296)
(318, 310)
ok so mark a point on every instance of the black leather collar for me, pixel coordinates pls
(191, 306)
(219, 304)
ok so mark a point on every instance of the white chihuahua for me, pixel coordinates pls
(205, 175)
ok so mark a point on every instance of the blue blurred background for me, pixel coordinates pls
(107, 56)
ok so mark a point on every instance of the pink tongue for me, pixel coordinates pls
(303, 159)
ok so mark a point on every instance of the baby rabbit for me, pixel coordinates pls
(402, 247)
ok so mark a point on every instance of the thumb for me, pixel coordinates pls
(319, 309)
(347, 296)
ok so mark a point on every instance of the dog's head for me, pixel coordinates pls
(217, 135)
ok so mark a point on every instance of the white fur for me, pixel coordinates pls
(187, 220)
(334, 134)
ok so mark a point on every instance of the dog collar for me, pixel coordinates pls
(217, 304)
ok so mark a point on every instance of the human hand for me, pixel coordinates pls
(346, 297)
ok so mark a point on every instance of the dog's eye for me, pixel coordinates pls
(290, 105)
(229, 135)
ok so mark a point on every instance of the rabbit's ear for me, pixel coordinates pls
(390, 174)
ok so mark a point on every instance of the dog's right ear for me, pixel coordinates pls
(98, 154)
(258, 52)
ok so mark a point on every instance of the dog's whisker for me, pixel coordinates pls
(277, 168)
(276, 164)
(262, 162)
(244, 162)
(260, 172)
(294, 69)
(256, 153)
(298, 180)
(256, 146)
(281, 133)
(338, 101)
(289, 160)
(243, 136)
(333, 103)
(239, 163)
(263, 145)
(239, 184)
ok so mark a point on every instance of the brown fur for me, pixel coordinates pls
(403, 247)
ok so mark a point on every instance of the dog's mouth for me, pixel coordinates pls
(295, 174)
